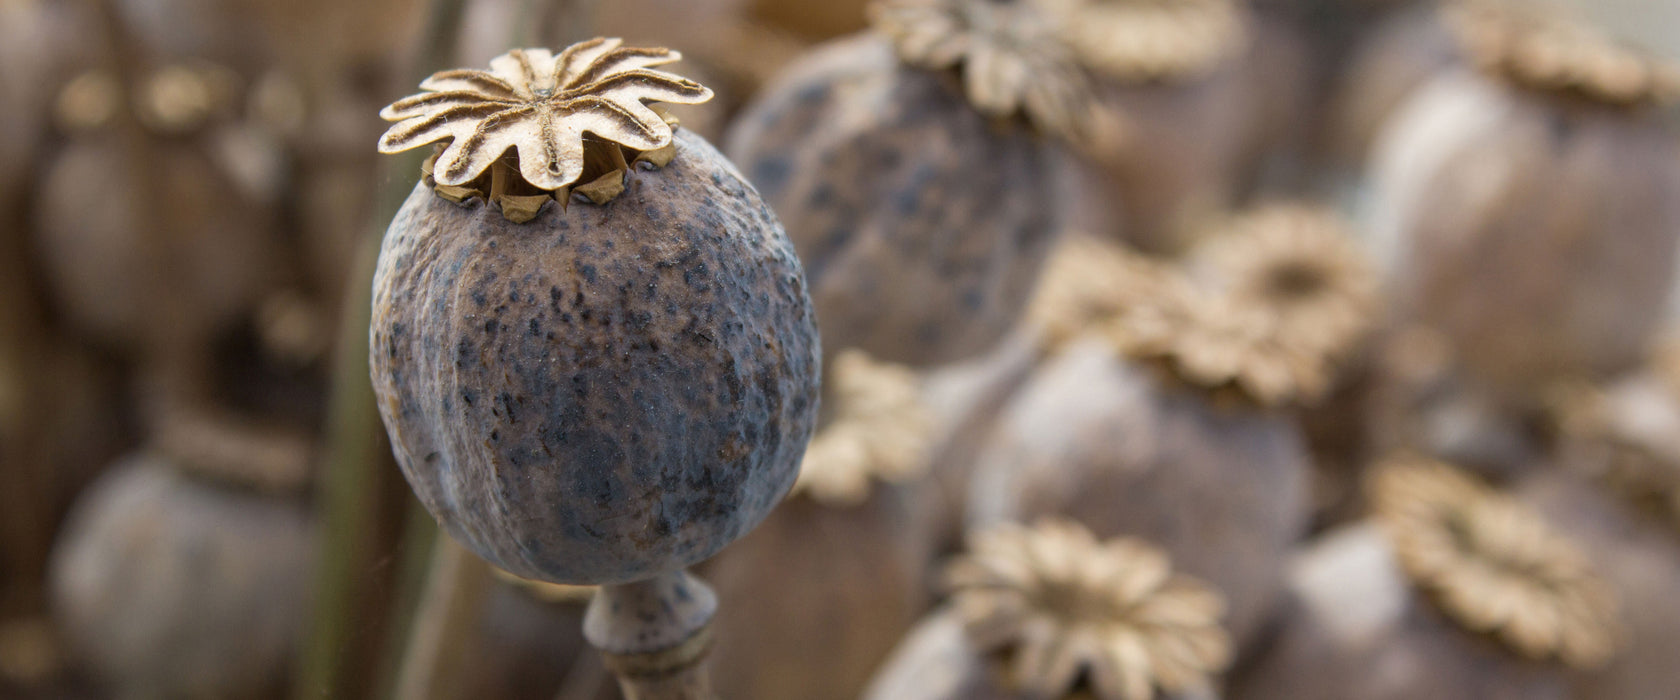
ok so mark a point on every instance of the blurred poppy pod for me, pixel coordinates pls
(1049, 611)
(1304, 265)
(1533, 205)
(1170, 75)
(169, 586)
(1639, 557)
(917, 171)
(850, 543)
(129, 246)
(591, 344)
(1455, 591)
(1165, 424)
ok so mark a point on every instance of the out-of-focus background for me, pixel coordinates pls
(196, 496)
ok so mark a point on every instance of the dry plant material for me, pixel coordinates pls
(1547, 51)
(1063, 606)
(167, 586)
(880, 431)
(1012, 59)
(597, 394)
(1224, 344)
(1494, 565)
(1089, 281)
(585, 111)
(922, 222)
(1143, 41)
(1303, 264)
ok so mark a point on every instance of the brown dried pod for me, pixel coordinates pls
(1304, 264)
(170, 587)
(1354, 630)
(1534, 206)
(849, 549)
(1051, 612)
(118, 252)
(911, 169)
(1173, 74)
(612, 389)
(1164, 426)
(1640, 558)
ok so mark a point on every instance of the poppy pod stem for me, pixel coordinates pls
(654, 635)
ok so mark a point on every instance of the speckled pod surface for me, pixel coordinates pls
(1354, 629)
(922, 224)
(1117, 448)
(605, 392)
(171, 588)
(1538, 235)
(1640, 558)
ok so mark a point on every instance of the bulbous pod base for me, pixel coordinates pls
(1641, 559)
(852, 576)
(1539, 234)
(923, 225)
(1119, 449)
(605, 392)
(1355, 629)
(172, 588)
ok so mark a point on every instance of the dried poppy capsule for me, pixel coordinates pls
(1456, 591)
(592, 345)
(170, 586)
(1533, 205)
(1050, 612)
(1165, 423)
(911, 169)
(1303, 263)
(851, 542)
(188, 244)
(1640, 558)
(1173, 73)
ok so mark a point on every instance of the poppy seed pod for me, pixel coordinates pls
(1162, 423)
(591, 341)
(1455, 591)
(911, 169)
(117, 251)
(1533, 206)
(1640, 558)
(1171, 75)
(1051, 612)
(170, 587)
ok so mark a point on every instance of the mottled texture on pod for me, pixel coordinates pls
(1538, 234)
(168, 587)
(608, 391)
(1118, 448)
(116, 250)
(1354, 629)
(922, 224)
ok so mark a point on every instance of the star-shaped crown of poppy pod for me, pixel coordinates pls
(540, 106)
